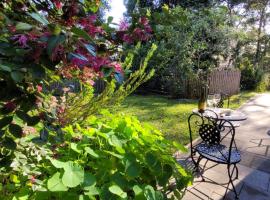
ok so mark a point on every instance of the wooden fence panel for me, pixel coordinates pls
(219, 81)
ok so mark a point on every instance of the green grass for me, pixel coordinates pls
(168, 115)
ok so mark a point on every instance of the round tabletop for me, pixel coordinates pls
(223, 113)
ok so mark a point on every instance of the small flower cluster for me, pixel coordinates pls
(89, 25)
(141, 32)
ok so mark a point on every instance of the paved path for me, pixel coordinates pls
(253, 140)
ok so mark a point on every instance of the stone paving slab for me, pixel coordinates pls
(253, 140)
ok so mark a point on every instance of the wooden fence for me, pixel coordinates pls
(219, 81)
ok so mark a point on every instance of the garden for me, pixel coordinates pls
(64, 137)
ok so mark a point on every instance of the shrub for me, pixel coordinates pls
(264, 84)
(113, 157)
(250, 75)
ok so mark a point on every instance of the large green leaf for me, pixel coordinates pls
(115, 189)
(58, 164)
(133, 170)
(91, 152)
(89, 180)
(53, 42)
(149, 193)
(73, 175)
(15, 130)
(2, 132)
(8, 143)
(23, 26)
(55, 184)
(81, 33)
(151, 159)
(17, 76)
(5, 121)
(132, 167)
(39, 18)
(165, 175)
(5, 68)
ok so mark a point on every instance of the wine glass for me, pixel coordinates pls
(210, 100)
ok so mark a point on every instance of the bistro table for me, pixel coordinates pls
(223, 113)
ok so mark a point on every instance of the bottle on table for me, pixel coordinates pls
(202, 100)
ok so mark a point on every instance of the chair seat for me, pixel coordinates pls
(218, 153)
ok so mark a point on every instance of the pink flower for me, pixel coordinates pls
(92, 18)
(58, 4)
(78, 62)
(39, 88)
(58, 53)
(123, 25)
(32, 179)
(98, 62)
(128, 39)
(144, 21)
(148, 29)
(28, 130)
(117, 67)
(12, 29)
(21, 40)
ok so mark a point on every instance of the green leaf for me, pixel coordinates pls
(15, 130)
(5, 121)
(17, 76)
(2, 132)
(138, 192)
(151, 159)
(53, 42)
(149, 193)
(32, 121)
(179, 146)
(23, 26)
(89, 180)
(165, 175)
(107, 71)
(9, 143)
(92, 191)
(5, 68)
(58, 164)
(23, 194)
(81, 33)
(73, 174)
(55, 184)
(74, 147)
(91, 152)
(110, 19)
(115, 189)
(133, 170)
(39, 18)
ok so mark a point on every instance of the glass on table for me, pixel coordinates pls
(210, 100)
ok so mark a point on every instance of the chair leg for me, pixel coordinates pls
(197, 167)
(231, 180)
(235, 166)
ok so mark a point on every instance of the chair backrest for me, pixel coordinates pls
(212, 130)
(224, 97)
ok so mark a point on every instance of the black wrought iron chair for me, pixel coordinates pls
(217, 145)
(223, 99)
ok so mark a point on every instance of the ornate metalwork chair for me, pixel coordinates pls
(224, 97)
(217, 144)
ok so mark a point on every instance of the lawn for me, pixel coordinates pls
(170, 115)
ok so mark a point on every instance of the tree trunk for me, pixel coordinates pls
(261, 26)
